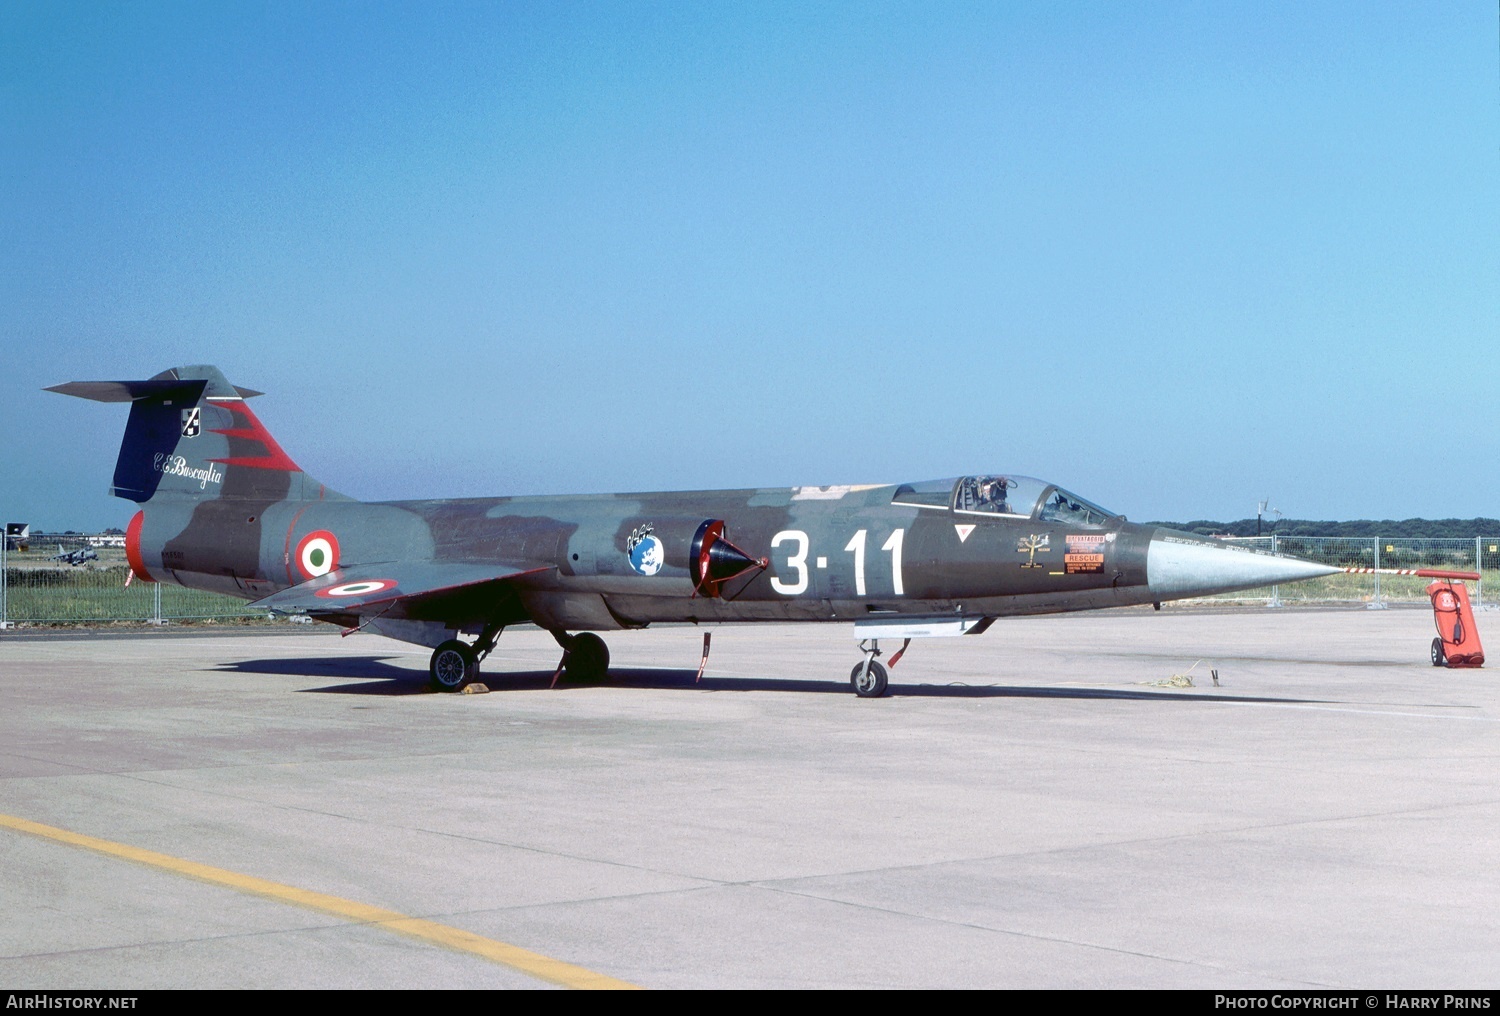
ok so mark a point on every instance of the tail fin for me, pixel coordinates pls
(192, 436)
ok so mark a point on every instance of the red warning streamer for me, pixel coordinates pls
(1425, 573)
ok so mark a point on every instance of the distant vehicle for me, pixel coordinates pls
(75, 557)
(225, 509)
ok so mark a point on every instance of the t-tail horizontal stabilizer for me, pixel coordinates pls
(129, 391)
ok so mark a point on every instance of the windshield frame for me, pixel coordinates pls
(1105, 516)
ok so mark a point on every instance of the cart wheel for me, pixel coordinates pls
(1438, 658)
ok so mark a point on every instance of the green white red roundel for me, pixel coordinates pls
(317, 554)
(364, 588)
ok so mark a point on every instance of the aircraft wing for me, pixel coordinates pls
(455, 592)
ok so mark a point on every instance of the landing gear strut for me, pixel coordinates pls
(454, 664)
(585, 658)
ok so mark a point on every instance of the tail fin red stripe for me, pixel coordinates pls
(254, 430)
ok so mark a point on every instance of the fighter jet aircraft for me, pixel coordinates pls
(225, 509)
(75, 557)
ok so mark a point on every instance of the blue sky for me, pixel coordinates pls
(1176, 257)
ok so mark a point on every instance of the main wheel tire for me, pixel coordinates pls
(588, 659)
(874, 680)
(452, 666)
(1439, 658)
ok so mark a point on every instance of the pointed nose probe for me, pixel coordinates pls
(1180, 565)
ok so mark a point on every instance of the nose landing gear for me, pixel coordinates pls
(868, 678)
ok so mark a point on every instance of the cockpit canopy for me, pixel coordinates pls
(1004, 495)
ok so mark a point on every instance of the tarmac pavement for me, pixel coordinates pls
(1028, 808)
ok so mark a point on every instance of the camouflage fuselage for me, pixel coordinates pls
(833, 554)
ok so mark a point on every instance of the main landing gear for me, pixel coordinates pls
(869, 678)
(454, 664)
(585, 658)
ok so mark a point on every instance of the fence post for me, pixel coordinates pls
(1377, 603)
(1479, 569)
(1275, 590)
(4, 582)
(156, 603)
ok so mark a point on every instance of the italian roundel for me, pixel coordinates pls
(317, 554)
(364, 588)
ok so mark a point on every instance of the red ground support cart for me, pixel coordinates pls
(1457, 644)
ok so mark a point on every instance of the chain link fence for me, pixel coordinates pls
(1474, 554)
(52, 579)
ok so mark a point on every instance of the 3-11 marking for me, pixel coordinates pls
(797, 562)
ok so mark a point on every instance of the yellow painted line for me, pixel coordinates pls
(535, 964)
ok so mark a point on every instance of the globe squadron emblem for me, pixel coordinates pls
(645, 551)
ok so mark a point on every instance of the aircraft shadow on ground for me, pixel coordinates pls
(372, 675)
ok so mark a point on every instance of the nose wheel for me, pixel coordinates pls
(869, 678)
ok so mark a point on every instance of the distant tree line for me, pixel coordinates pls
(1407, 528)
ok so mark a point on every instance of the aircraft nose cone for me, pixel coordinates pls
(1179, 565)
